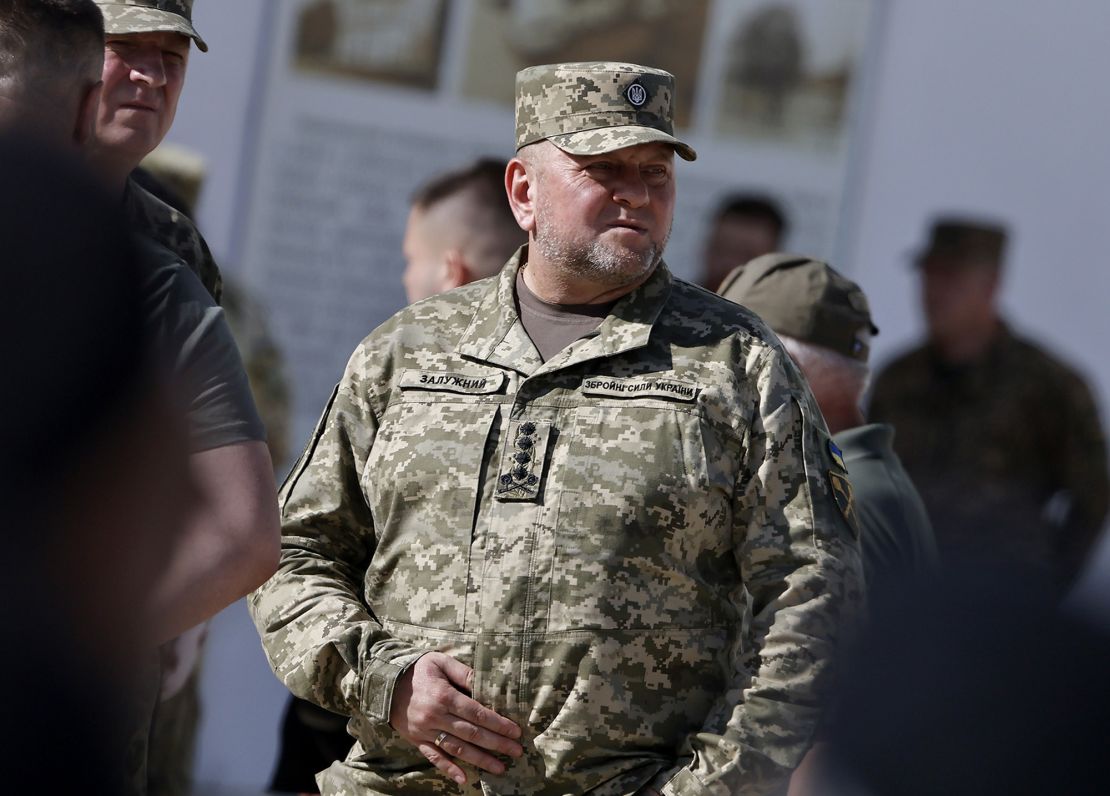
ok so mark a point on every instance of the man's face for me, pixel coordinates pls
(143, 77)
(957, 297)
(735, 240)
(424, 265)
(605, 218)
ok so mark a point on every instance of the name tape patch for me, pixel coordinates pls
(463, 383)
(670, 389)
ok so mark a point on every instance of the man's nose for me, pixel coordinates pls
(631, 190)
(148, 67)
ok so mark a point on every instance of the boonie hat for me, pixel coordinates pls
(595, 107)
(150, 16)
(805, 299)
(963, 241)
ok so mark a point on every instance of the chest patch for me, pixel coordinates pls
(670, 389)
(443, 381)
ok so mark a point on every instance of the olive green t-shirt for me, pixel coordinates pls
(552, 327)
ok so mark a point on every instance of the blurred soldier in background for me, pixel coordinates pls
(746, 226)
(569, 528)
(1002, 439)
(175, 176)
(94, 479)
(460, 229)
(824, 321)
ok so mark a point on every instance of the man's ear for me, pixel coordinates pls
(456, 272)
(87, 107)
(518, 185)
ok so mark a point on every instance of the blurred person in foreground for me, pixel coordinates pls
(824, 321)
(568, 528)
(460, 229)
(94, 482)
(745, 226)
(1002, 439)
(949, 692)
(52, 52)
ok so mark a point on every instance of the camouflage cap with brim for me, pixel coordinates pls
(150, 16)
(595, 107)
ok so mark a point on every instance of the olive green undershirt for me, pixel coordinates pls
(552, 327)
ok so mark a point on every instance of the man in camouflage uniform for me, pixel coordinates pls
(147, 55)
(1002, 439)
(568, 529)
(824, 320)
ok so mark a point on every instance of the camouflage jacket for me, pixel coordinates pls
(634, 545)
(1007, 452)
(173, 230)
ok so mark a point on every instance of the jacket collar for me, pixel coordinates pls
(496, 336)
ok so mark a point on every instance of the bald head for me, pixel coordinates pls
(51, 56)
(460, 229)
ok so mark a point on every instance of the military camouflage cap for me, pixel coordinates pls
(964, 241)
(150, 16)
(595, 107)
(804, 299)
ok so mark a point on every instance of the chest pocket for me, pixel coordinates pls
(421, 483)
(646, 510)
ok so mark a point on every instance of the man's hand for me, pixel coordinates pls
(431, 699)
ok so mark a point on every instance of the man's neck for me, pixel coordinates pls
(970, 344)
(555, 286)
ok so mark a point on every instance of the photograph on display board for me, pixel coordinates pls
(790, 69)
(507, 35)
(390, 41)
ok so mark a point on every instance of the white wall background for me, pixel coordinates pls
(995, 107)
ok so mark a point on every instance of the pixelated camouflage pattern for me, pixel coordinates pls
(586, 109)
(150, 16)
(1008, 452)
(657, 604)
(173, 230)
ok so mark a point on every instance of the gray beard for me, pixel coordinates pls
(597, 262)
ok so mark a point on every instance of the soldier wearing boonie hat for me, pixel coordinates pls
(1002, 437)
(824, 320)
(592, 108)
(521, 545)
(150, 16)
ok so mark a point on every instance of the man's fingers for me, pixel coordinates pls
(471, 754)
(483, 738)
(440, 759)
(479, 715)
(458, 673)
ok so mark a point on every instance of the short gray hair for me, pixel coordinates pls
(828, 370)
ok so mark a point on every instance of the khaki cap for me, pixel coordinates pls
(595, 107)
(804, 299)
(964, 241)
(150, 16)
